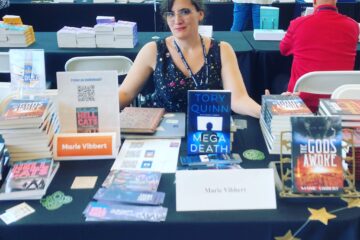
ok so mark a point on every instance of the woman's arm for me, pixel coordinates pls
(139, 73)
(232, 80)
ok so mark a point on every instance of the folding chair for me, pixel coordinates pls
(325, 82)
(347, 91)
(92, 63)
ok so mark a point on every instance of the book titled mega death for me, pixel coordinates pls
(316, 154)
(208, 121)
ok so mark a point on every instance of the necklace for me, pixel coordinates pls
(192, 76)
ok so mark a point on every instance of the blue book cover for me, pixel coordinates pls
(316, 154)
(208, 121)
(269, 17)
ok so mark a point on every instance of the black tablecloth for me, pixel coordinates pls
(69, 223)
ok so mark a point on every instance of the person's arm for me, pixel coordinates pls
(286, 44)
(232, 80)
(140, 71)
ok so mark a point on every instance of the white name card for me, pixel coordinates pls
(239, 189)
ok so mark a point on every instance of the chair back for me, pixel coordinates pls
(325, 82)
(347, 91)
(4, 62)
(92, 63)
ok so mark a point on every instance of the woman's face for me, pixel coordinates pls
(183, 20)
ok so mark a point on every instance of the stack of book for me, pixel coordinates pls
(4, 160)
(269, 34)
(349, 111)
(276, 111)
(66, 37)
(14, 34)
(28, 179)
(211, 161)
(128, 196)
(85, 37)
(28, 127)
(125, 34)
(105, 34)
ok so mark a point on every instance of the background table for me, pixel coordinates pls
(50, 17)
(69, 223)
(55, 58)
(271, 69)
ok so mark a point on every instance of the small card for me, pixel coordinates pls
(86, 182)
(238, 189)
(16, 213)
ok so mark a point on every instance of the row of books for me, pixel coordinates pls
(15, 34)
(276, 111)
(349, 111)
(28, 127)
(120, 34)
(128, 196)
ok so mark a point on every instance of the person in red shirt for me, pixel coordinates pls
(324, 41)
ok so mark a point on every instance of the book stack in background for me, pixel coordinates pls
(349, 111)
(28, 179)
(85, 37)
(13, 33)
(107, 33)
(128, 196)
(269, 24)
(276, 111)
(125, 34)
(28, 127)
(66, 37)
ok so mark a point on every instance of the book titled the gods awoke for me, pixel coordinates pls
(316, 155)
(208, 121)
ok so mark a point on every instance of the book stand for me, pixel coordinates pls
(349, 190)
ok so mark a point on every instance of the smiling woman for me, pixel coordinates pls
(186, 61)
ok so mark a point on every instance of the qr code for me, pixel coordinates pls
(86, 93)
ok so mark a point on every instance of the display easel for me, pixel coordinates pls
(349, 190)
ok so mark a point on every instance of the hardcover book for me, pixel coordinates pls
(172, 125)
(316, 154)
(208, 121)
(140, 120)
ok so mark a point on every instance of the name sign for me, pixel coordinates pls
(237, 189)
(77, 146)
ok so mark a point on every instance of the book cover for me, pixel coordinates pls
(285, 105)
(347, 108)
(140, 120)
(88, 101)
(129, 180)
(208, 121)
(25, 109)
(316, 154)
(87, 119)
(172, 125)
(27, 69)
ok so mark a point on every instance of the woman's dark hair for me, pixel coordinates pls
(166, 5)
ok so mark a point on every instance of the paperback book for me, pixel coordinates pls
(316, 155)
(208, 121)
(129, 197)
(100, 211)
(129, 180)
(28, 179)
